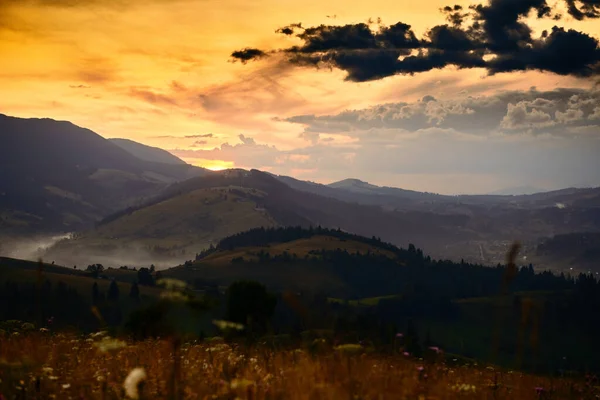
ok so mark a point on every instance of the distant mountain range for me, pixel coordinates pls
(517, 191)
(131, 203)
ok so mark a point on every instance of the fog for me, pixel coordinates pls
(29, 248)
(50, 249)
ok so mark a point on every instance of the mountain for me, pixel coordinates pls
(57, 177)
(188, 216)
(517, 191)
(358, 186)
(147, 153)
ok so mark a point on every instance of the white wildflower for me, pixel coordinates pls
(132, 383)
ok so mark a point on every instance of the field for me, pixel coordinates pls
(43, 366)
(27, 272)
(167, 233)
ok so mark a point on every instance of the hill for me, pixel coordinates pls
(58, 177)
(147, 153)
(465, 308)
(190, 215)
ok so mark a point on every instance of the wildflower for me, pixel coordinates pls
(223, 325)
(44, 330)
(465, 388)
(66, 386)
(133, 383)
(420, 368)
(98, 334)
(399, 335)
(47, 370)
(406, 354)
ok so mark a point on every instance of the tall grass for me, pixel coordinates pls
(45, 366)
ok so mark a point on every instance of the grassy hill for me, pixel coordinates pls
(188, 216)
(29, 272)
(58, 177)
(166, 233)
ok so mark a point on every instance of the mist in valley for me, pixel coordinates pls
(49, 249)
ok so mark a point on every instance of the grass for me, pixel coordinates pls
(63, 366)
(187, 223)
(21, 271)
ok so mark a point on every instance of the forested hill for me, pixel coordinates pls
(267, 236)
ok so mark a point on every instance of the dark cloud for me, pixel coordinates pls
(581, 9)
(205, 135)
(79, 86)
(247, 54)
(496, 38)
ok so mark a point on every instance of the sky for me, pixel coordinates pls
(446, 97)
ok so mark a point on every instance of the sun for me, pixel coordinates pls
(213, 165)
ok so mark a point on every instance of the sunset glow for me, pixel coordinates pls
(161, 73)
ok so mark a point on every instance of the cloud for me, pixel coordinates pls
(521, 116)
(407, 159)
(205, 135)
(247, 54)
(496, 38)
(152, 97)
(247, 140)
(581, 9)
(511, 112)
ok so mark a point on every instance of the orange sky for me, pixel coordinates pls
(156, 71)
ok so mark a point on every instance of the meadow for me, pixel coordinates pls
(43, 365)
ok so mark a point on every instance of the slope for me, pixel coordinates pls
(190, 215)
(58, 177)
(147, 153)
